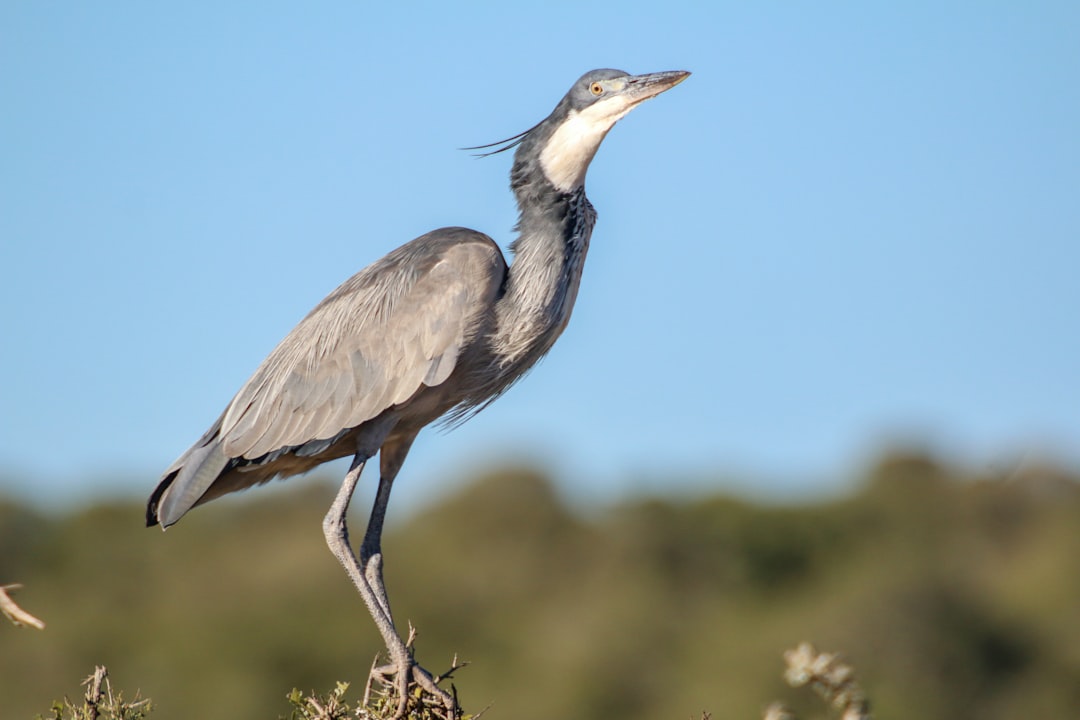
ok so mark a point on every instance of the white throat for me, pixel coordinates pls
(568, 152)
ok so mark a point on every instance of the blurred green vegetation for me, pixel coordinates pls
(954, 596)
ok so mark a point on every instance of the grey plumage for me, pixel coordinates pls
(438, 328)
(385, 334)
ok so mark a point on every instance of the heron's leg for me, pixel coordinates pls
(391, 456)
(401, 660)
(371, 559)
(337, 537)
(366, 572)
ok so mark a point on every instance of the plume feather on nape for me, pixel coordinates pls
(501, 145)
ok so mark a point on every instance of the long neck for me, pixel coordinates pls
(549, 253)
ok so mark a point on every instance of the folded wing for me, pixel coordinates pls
(392, 328)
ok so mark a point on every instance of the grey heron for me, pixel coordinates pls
(438, 328)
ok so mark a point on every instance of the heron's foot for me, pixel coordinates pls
(412, 690)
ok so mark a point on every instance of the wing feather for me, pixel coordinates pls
(386, 332)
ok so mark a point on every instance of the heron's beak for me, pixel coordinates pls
(642, 87)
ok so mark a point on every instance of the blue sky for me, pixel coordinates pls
(854, 225)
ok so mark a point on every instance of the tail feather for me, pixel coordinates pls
(187, 480)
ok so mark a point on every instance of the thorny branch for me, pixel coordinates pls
(93, 692)
(421, 703)
(99, 702)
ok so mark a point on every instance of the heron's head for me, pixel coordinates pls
(564, 143)
(597, 101)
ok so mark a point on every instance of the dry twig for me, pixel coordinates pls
(829, 677)
(93, 692)
(13, 612)
(777, 711)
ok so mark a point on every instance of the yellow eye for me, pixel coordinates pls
(596, 88)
